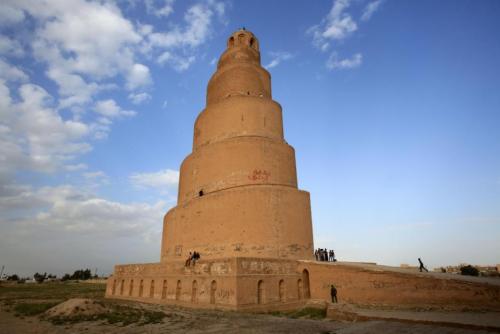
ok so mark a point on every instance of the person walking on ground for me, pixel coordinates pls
(333, 293)
(422, 267)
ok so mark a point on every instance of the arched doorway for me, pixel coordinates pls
(131, 287)
(305, 278)
(213, 289)
(299, 289)
(141, 287)
(282, 290)
(164, 289)
(152, 289)
(260, 292)
(178, 290)
(194, 291)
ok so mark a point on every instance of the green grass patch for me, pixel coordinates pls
(309, 312)
(55, 290)
(31, 309)
(35, 299)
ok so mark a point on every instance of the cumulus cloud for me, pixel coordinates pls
(336, 26)
(10, 15)
(83, 43)
(138, 98)
(95, 175)
(369, 9)
(110, 109)
(277, 58)
(166, 178)
(138, 76)
(176, 62)
(162, 8)
(334, 63)
(50, 220)
(11, 73)
(33, 134)
(9, 46)
(176, 46)
(75, 167)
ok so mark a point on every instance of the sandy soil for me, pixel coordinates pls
(198, 321)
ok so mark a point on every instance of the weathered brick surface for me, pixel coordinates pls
(239, 207)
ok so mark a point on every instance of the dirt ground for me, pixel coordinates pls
(18, 315)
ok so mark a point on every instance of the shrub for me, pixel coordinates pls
(469, 270)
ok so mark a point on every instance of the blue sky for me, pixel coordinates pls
(393, 108)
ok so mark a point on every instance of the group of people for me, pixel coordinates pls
(325, 255)
(192, 258)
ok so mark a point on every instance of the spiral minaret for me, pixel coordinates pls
(238, 192)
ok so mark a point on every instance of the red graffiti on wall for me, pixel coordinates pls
(259, 175)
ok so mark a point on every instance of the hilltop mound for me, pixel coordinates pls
(76, 307)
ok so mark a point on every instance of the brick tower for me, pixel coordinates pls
(238, 191)
(238, 203)
(240, 208)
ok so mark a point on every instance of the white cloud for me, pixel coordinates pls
(164, 9)
(336, 26)
(334, 63)
(138, 76)
(370, 9)
(10, 15)
(95, 175)
(75, 167)
(73, 89)
(33, 134)
(178, 63)
(110, 109)
(95, 34)
(68, 208)
(9, 46)
(82, 43)
(138, 98)
(163, 179)
(51, 219)
(178, 44)
(277, 58)
(95, 179)
(11, 73)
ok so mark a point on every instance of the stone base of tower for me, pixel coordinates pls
(249, 284)
(258, 284)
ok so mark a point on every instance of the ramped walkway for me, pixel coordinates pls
(415, 272)
(472, 320)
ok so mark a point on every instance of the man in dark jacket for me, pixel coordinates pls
(333, 293)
